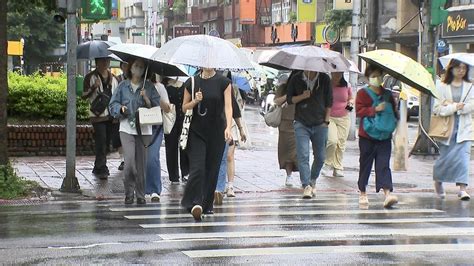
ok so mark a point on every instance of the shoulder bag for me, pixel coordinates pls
(183, 138)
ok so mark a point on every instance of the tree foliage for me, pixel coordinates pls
(338, 19)
(33, 21)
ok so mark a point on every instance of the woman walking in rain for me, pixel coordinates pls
(286, 132)
(456, 100)
(209, 130)
(132, 94)
(339, 125)
(374, 102)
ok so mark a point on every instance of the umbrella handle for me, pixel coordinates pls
(199, 110)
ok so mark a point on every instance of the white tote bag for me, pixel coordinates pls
(188, 117)
(169, 119)
(150, 116)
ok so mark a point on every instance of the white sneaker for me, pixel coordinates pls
(326, 170)
(196, 211)
(147, 197)
(288, 181)
(363, 199)
(308, 192)
(175, 183)
(155, 197)
(389, 201)
(230, 192)
(439, 190)
(463, 195)
(338, 173)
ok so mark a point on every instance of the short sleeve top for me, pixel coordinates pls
(209, 116)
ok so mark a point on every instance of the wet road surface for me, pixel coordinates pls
(257, 228)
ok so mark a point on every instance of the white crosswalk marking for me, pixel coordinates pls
(288, 225)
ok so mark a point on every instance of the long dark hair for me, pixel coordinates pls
(449, 77)
(342, 82)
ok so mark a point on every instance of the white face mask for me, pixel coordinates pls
(375, 81)
(137, 71)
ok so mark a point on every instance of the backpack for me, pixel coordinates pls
(384, 123)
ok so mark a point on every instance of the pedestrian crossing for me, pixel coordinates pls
(264, 227)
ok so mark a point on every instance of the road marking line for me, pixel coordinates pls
(285, 213)
(228, 206)
(312, 234)
(328, 250)
(309, 222)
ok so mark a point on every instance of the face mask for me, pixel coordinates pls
(375, 81)
(137, 71)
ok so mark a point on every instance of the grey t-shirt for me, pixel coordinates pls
(456, 91)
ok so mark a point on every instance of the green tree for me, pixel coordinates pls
(33, 21)
(3, 85)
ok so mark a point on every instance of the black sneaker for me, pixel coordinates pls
(141, 201)
(129, 200)
(120, 168)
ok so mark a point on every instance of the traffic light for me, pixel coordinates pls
(438, 13)
(97, 9)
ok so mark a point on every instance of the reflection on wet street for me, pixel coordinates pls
(259, 228)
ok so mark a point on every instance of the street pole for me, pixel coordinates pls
(355, 43)
(423, 145)
(70, 183)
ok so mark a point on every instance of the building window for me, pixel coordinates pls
(238, 26)
(286, 10)
(228, 26)
(276, 12)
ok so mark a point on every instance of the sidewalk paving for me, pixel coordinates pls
(256, 171)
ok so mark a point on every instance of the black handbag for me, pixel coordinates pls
(100, 103)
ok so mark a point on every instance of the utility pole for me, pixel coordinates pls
(70, 183)
(423, 145)
(355, 43)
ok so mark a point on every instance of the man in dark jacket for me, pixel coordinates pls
(312, 94)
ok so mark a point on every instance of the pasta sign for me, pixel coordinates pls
(459, 24)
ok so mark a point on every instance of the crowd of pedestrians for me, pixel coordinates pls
(315, 111)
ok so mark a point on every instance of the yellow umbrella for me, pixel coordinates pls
(402, 68)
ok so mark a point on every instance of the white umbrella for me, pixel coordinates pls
(203, 51)
(310, 58)
(466, 58)
(127, 51)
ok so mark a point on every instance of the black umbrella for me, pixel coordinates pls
(93, 49)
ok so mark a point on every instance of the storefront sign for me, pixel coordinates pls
(459, 24)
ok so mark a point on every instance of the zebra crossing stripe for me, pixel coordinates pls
(231, 205)
(328, 250)
(318, 234)
(313, 222)
(286, 213)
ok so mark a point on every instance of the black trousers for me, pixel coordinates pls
(172, 153)
(205, 158)
(103, 133)
(380, 151)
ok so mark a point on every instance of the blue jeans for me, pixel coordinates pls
(153, 166)
(318, 135)
(221, 178)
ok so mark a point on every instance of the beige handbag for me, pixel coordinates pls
(150, 116)
(441, 127)
(169, 119)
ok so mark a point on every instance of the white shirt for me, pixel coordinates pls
(160, 88)
(311, 82)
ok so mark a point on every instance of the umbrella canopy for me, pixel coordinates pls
(466, 58)
(93, 49)
(310, 58)
(402, 68)
(241, 82)
(129, 51)
(203, 51)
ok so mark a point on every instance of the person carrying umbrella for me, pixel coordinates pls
(209, 130)
(456, 101)
(132, 94)
(375, 106)
(311, 92)
(99, 85)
